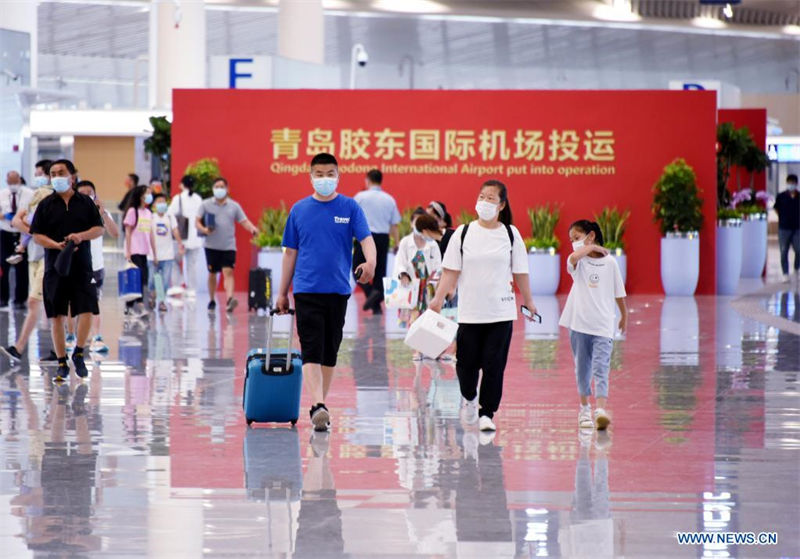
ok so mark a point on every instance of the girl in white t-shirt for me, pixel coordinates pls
(482, 259)
(589, 315)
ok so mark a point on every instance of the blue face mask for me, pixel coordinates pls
(60, 184)
(148, 199)
(161, 207)
(324, 186)
(40, 181)
(220, 193)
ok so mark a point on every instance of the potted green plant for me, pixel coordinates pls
(752, 205)
(204, 172)
(613, 224)
(270, 234)
(544, 262)
(159, 145)
(677, 207)
(728, 250)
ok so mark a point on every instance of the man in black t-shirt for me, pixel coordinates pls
(787, 205)
(62, 217)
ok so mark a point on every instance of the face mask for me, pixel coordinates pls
(13, 188)
(148, 199)
(220, 193)
(579, 244)
(791, 186)
(324, 186)
(161, 207)
(60, 184)
(486, 210)
(40, 181)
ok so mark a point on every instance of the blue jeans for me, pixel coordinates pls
(592, 360)
(165, 269)
(787, 238)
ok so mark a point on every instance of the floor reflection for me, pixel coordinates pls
(151, 456)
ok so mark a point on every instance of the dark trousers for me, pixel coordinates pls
(140, 261)
(483, 347)
(789, 238)
(8, 242)
(374, 291)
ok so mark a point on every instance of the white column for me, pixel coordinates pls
(177, 48)
(301, 30)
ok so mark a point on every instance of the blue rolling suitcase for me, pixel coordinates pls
(273, 381)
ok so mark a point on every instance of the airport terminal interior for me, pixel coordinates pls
(151, 454)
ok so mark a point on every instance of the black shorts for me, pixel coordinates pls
(219, 259)
(73, 295)
(320, 320)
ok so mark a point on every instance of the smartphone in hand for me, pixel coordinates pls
(534, 316)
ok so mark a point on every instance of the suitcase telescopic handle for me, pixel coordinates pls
(272, 313)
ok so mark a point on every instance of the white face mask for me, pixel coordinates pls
(791, 186)
(579, 244)
(486, 210)
(13, 188)
(220, 193)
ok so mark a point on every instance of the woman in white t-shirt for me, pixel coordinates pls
(485, 264)
(418, 257)
(589, 315)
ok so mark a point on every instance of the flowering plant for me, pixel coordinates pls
(749, 201)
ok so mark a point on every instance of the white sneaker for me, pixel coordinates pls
(190, 294)
(601, 419)
(786, 278)
(469, 410)
(486, 424)
(98, 345)
(585, 418)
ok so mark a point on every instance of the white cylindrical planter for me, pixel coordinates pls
(271, 258)
(544, 269)
(622, 261)
(729, 255)
(754, 245)
(680, 263)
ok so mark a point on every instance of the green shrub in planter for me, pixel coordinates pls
(728, 213)
(271, 226)
(613, 224)
(543, 227)
(676, 202)
(204, 172)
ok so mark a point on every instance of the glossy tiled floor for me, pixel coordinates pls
(151, 456)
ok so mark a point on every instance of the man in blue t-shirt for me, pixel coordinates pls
(319, 254)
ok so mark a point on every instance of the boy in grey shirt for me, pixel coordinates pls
(220, 232)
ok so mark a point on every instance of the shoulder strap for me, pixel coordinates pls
(463, 236)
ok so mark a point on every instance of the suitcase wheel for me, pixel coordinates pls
(294, 422)
(249, 422)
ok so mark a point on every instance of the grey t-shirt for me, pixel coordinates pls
(226, 216)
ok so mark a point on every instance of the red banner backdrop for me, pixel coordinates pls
(582, 150)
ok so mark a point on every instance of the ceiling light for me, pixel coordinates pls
(410, 6)
(727, 11)
(708, 22)
(619, 10)
(792, 29)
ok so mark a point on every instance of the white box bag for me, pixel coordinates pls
(431, 334)
(396, 296)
